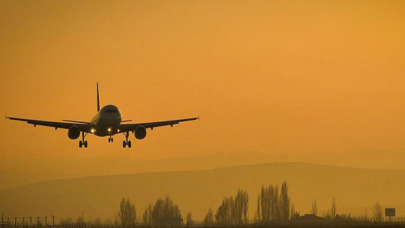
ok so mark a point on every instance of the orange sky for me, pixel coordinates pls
(266, 76)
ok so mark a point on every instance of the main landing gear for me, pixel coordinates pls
(111, 139)
(82, 142)
(126, 142)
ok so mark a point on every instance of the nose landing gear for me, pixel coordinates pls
(111, 139)
(126, 142)
(82, 142)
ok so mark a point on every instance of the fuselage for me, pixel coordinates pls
(106, 121)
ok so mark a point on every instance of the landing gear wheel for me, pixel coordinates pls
(82, 142)
(126, 142)
(112, 139)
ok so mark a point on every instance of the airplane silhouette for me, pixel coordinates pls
(107, 122)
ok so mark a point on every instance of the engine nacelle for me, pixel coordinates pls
(140, 132)
(74, 132)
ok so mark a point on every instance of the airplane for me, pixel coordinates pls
(107, 122)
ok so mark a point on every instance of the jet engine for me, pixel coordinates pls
(74, 132)
(140, 132)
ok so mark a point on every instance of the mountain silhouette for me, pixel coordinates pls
(196, 191)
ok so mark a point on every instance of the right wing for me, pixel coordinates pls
(132, 127)
(83, 127)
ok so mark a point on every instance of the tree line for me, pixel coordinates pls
(163, 212)
(273, 205)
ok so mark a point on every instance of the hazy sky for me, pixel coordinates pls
(266, 76)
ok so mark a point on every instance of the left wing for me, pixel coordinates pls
(151, 125)
(82, 126)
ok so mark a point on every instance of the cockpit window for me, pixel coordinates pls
(112, 111)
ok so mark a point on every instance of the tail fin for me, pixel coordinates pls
(98, 100)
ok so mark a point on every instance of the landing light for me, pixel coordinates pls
(118, 130)
(93, 130)
(109, 129)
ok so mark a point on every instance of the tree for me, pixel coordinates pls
(265, 205)
(292, 212)
(314, 209)
(224, 215)
(258, 214)
(147, 216)
(66, 222)
(127, 213)
(241, 206)
(272, 205)
(377, 212)
(333, 209)
(234, 211)
(97, 221)
(209, 218)
(163, 212)
(284, 202)
(79, 221)
(189, 219)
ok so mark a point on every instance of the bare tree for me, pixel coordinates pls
(209, 218)
(273, 205)
(258, 217)
(292, 211)
(147, 216)
(314, 209)
(333, 209)
(264, 204)
(97, 221)
(284, 202)
(294, 214)
(241, 206)
(263, 208)
(66, 222)
(79, 221)
(377, 212)
(224, 214)
(127, 213)
(234, 211)
(189, 219)
(163, 212)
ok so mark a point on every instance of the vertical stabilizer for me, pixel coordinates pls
(98, 100)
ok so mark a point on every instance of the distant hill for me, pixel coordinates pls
(196, 191)
(18, 172)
